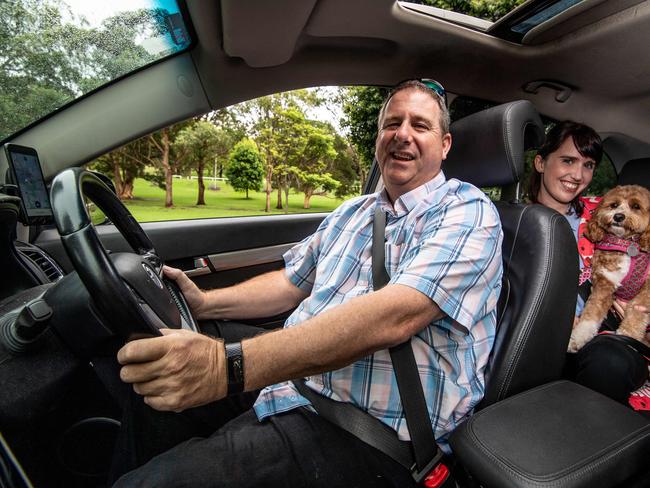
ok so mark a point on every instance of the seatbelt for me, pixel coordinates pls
(409, 385)
(421, 455)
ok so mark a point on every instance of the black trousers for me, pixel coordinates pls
(223, 444)
(608, 367)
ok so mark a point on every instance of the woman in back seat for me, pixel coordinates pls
(563, 168)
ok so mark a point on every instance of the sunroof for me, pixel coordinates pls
(542, 16)
(491, 10)
(508, 19)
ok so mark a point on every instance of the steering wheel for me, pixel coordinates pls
(128, 289)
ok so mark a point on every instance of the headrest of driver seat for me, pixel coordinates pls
(488, 146)
(636, 172)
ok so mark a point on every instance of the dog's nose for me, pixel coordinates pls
(619, 217)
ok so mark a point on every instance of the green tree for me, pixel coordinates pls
(245, 170)
(231, 122)
(124, 165)
(347, 168)
(361, 105)
(312, 153)
(200, 143)
(491, 10)
(277, 118)
(48, 57)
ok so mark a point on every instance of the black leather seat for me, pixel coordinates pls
(533, 429)
(635, 172)
(537, 302)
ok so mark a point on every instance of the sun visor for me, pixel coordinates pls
(263, 33)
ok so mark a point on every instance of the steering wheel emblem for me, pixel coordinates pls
(152, 275)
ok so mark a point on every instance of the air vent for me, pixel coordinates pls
(43, 262)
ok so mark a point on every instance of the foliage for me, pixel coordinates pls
(200, 143)
(124, 165)
(483, 9)
(346, 168)
(245, 170)
(48, 57)
(604, 178)
(294, 147)
(361, 105)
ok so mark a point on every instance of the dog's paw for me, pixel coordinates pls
(581, 334)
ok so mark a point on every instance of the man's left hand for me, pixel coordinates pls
(177, 371)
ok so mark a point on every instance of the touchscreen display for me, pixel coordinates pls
(29, 179)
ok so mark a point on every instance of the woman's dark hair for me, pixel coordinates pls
(587, 142)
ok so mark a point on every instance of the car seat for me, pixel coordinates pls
(540, 260)
(635, 172)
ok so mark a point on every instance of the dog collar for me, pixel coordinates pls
(613, 243)
(639, 265)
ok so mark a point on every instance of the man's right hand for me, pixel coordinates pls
(196, 298)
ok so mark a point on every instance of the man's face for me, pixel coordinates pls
(410, 147)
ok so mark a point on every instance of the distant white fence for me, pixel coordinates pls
(211, 178)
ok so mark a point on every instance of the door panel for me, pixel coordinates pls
(179, 243)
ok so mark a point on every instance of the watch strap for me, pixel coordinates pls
(235, 367)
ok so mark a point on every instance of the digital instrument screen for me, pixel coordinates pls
(28, 177)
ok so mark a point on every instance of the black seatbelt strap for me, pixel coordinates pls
(360, 424)
(425, 449)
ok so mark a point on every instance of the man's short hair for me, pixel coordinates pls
(443, 120)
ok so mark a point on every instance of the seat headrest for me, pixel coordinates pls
(636, 172)
(488, 146)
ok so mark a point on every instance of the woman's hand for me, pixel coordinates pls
(618, 307)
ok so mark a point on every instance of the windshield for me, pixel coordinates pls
(53, 52)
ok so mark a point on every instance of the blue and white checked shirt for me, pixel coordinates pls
(443, 239)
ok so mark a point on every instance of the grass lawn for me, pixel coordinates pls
(149, 201)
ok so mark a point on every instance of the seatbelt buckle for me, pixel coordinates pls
(434, 471)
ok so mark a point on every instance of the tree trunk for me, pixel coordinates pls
(127, 190)
(246, 193)
(279, 204)
(268, 189)
(199, 172)
(286, 197)
(117, 177)
(169, 202)
(308, 194)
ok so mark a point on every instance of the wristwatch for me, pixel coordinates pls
(235, 366)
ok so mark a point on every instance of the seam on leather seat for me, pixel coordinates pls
(506, 138)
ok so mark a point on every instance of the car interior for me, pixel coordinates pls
(71, 291)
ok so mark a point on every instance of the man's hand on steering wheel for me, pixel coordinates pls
(195, 297)
(180, 370)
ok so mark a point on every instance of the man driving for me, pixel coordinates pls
(443, 255)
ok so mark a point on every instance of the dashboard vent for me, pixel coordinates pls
(44, 263)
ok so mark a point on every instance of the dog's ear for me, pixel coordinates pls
(594, 232)
(644, 241)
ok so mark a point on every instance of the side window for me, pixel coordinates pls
(604, 179)
(284, 153)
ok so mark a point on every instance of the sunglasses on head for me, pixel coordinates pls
(435, 86)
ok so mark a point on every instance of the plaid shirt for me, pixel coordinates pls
(443, 239)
